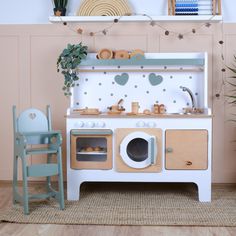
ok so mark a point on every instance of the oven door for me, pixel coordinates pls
(91, 149)
(139, 150)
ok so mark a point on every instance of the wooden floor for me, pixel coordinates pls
(92, 230)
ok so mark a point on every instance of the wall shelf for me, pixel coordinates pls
(138, 18)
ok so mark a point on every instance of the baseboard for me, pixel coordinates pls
(20, 182)
(35, 182)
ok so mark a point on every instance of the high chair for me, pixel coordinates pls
(33, 135)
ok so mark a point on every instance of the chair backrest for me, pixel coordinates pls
(32, 120)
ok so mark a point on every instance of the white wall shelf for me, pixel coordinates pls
(199, 18)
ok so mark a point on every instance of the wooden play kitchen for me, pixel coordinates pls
(142, 119)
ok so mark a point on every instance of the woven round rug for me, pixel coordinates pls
(134, 204)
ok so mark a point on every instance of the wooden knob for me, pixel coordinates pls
(169, 150)
(189, 163)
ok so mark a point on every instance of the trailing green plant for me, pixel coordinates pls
(232, 96)
(60, 4)
(67, 64)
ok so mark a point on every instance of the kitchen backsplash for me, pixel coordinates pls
(102, 89)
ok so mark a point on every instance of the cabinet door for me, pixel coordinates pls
(186, 149)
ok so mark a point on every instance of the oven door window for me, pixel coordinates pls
(91, 149)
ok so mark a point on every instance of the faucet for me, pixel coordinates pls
(185, 89)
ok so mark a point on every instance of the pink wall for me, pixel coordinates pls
(29, 77)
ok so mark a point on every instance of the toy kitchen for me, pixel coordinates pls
(143, 119)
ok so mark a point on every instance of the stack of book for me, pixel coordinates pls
(193, 7)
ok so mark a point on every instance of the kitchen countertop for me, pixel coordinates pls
(166, 115)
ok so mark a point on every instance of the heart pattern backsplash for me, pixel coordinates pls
(122, 79)
(155, 79)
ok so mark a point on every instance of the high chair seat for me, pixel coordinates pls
(34, 151)
(33, 135)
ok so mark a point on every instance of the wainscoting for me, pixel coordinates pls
(29, 76)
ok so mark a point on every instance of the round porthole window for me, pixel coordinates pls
(137, 149)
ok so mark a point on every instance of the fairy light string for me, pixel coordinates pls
(151, 21)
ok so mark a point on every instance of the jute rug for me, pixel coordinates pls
(135, 204)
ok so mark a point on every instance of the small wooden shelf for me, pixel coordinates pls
(137, 18)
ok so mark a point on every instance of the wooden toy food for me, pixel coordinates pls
(89, 149)
(162, 109)
(137, 54)
(105, 54)
(121, 54)
(98, 148)
(147, 112)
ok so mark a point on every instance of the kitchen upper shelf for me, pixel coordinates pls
(144, 62)
(136, 18)
(151, 63)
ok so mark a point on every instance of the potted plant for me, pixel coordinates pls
(67, 64)
(232, 96)
(59, 7)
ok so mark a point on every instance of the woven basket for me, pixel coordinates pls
(104, 8)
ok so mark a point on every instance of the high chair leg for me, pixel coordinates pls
(15, 174)
(49, 160)
(25, 187)
(60, 179)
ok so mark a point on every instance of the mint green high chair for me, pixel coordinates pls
(33, 135)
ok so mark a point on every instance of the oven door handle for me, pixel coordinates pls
(78, 132)
(152, 149)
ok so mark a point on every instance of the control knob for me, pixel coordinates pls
(79, 124)
(100, 124)
(140, 124)
(90, 124)
(151, 124)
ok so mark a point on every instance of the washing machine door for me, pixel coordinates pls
(138, 150)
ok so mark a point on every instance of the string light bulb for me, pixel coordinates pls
(104, 32)
(208, 24)
(180, 36)
(79, 31)
(152, 23)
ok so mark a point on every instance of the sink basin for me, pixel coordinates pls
(193, 111)
(174, 113)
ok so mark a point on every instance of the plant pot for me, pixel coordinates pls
(59, 11)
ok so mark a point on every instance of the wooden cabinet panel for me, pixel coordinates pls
(186, 149)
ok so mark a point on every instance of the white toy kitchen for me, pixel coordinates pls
(140, 120)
